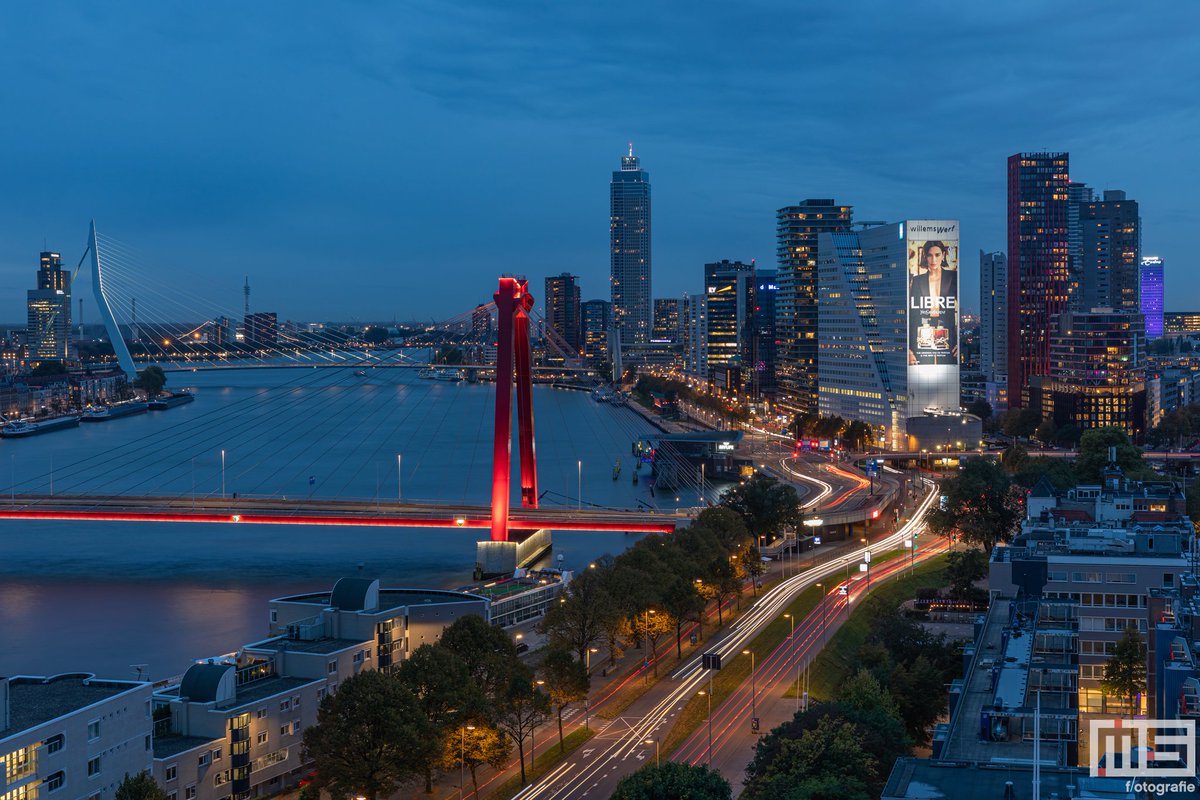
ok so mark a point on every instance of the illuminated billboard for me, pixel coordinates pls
(932, 292)
(933, 255)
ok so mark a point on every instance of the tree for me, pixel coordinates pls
(474, 746)
(140, 787)
(375, 335)
(1125, 670)
(980, 408)
(1046, 431)
(673, 780)
(755, 568)
(370, 737)
(965, 568)
(826, 762)
(1058, 471)
(683, 602)
(577, 623)
(1093, 454)
(151, 380)
(724, 582)
(49, 368)
(979, 507)
(566, 682)
(920, 691)
(445, 693)
(764, 504)
(521, 709)
(1021, 422)
(487, 651)
(649, 626)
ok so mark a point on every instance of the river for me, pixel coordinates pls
(102, 597)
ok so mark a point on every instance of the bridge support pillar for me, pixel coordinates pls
(493, 558)
(513, 304)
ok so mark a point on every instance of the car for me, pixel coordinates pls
(522, 647)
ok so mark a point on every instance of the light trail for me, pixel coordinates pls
(691, 676)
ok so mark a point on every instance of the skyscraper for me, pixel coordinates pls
(725, 292)
(1039, 275)
(629, 237)
(993, 326)
(1111, 241)
(1151, 291)
(796, 230)
(1078, 196)
(758, 342)
(562, 309)
(48, 311)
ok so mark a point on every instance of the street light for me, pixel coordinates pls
(753, 685)
(462, 758)
(912, 553)
(533, 741)
(792, 654)
(655, 743)
(222, 474)
(399, 477)
(709, 695)
(579, 492)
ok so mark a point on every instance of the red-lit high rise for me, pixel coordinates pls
(1039, 275)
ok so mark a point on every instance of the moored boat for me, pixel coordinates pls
(116, 411)
(163, 402)
(29, 427)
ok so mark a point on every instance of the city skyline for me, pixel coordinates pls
(383, 141)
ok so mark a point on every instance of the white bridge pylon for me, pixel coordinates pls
(110, 323)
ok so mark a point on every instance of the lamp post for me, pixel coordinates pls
(462, 757)
(222, 474)
(753, 684)
(709, 695)
(910, 544)
(579, 490)
(792, 650)
(399, 477)
(655, 743)
(533, 741)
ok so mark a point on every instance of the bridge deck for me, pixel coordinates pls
(277, 511)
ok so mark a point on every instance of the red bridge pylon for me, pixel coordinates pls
(513, 303)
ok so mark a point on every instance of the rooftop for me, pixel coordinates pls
(170, 745)
(388, 598)
(920, 779)
(323, 646)
(37, 700)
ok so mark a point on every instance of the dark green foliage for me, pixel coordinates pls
(151, 380)
(1093, 455)
(672, 781)
(981, 506)
(964, 568)
(980, 408)
(566, 682)
(51, 368)
(445, 694)
(1125, 670)
(140, 787)
(370, 737)
(488, 653)
(765, 505)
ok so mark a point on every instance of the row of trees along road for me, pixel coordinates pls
(664, 583)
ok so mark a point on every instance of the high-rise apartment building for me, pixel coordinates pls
(481, 324)
(796, 230)
(666, 320)
(1151, 291)
(629, 238)
(1039, 275)
(562, 309)
(596, 317)
(48, 311)
(725, 293)
(1110, 234)
(1079, 194)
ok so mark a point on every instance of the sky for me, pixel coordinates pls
(377, 160)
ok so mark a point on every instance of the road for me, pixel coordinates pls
(620, 747)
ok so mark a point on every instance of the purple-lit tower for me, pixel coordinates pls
(1150, 292)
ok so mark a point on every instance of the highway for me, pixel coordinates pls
(621, 747)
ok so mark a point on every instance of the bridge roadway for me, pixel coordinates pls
(316, 511)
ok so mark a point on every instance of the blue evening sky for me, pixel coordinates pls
(364, 160)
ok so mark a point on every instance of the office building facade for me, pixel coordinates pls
(1097, 372)
(796, 231)
(48, 311)
(261, 329)
(666, 320)
(759, 342)
(1151, 293)
(1110, 234)
(993, 328)
(725, 294)
(629, 240)
(596, 318)
(1039, 275)
(562, 309)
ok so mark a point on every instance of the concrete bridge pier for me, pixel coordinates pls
(495, 559)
